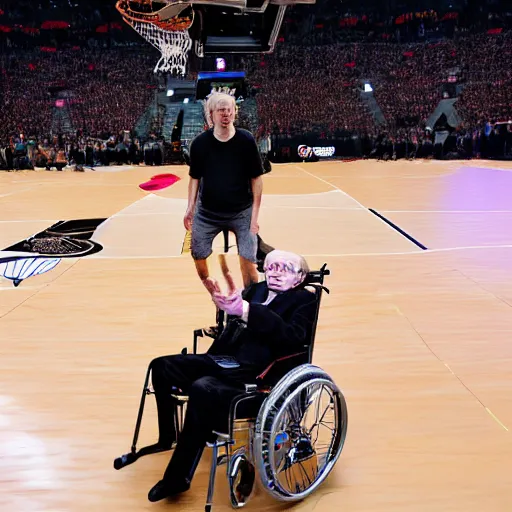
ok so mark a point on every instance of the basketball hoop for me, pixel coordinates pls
(170, 37)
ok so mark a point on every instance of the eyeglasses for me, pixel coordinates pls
(282, 268)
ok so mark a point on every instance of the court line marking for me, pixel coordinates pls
(483, 287)
(496, 418)
(282, 176)
(144, 214)
(37, 290)
(454, 167)
(340, 208)
(443, 249)
(290, 207)
(36, 182)
(134, 185)
(13, 288)
(30, 220)
(99, 256)
(118, 214)
(358, 203)
(487, 168)
(442, 361)
(408, 176)
(464, 385)
(184, 199)
(328, 183)
(19, 191)
(446, 211)
(399, 229)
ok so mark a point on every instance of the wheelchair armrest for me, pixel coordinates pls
(211, 332)
(277, 369)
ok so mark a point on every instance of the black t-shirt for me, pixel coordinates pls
(225, 170)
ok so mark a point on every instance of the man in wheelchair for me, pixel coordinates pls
(265, 322)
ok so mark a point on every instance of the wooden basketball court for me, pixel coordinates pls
(418, 340)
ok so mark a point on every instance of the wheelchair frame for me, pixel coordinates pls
(266, 381)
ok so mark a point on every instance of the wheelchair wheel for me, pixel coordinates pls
(299, 433)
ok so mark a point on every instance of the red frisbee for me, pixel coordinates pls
(159, 182)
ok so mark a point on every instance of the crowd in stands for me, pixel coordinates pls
(84, 100)
(105, 94)
(407, 80)
(305, 91)
(486, 71)
(317, 90)
(100, 93)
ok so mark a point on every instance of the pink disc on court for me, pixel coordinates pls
(162, 176)
(159, 182)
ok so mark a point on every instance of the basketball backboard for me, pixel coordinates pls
(225, 26)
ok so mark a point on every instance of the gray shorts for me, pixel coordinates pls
(207, 225)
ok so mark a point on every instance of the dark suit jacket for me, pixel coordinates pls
(279, 329)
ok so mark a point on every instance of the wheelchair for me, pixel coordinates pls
(288, 429)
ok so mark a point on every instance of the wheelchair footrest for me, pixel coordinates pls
(130, 458)
(125, 460)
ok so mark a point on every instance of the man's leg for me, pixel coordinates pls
(203, 233)
(249, 272)
(203, 272)
(247, 244)
(178, 372)
(207, 410)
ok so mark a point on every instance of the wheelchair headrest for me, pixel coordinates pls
(316, 277)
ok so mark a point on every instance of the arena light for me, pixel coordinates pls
(220, 64)
(170, 92)
(368, 87)
(186, 100)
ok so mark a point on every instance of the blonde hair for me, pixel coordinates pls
(211, 104)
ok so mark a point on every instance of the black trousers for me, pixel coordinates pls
(210, 389)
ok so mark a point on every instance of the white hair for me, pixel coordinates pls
(211, 104)
(276, 253)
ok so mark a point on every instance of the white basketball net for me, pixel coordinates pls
(173, 45)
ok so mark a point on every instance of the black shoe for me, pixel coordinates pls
(165, 490)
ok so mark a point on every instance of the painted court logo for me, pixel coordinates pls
(43, 251)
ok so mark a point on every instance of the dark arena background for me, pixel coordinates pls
(385, 131)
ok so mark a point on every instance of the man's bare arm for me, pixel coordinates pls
(193, 187)
(257, 191)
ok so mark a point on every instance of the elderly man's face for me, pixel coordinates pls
(282, 272)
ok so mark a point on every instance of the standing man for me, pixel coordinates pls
(224, 190)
